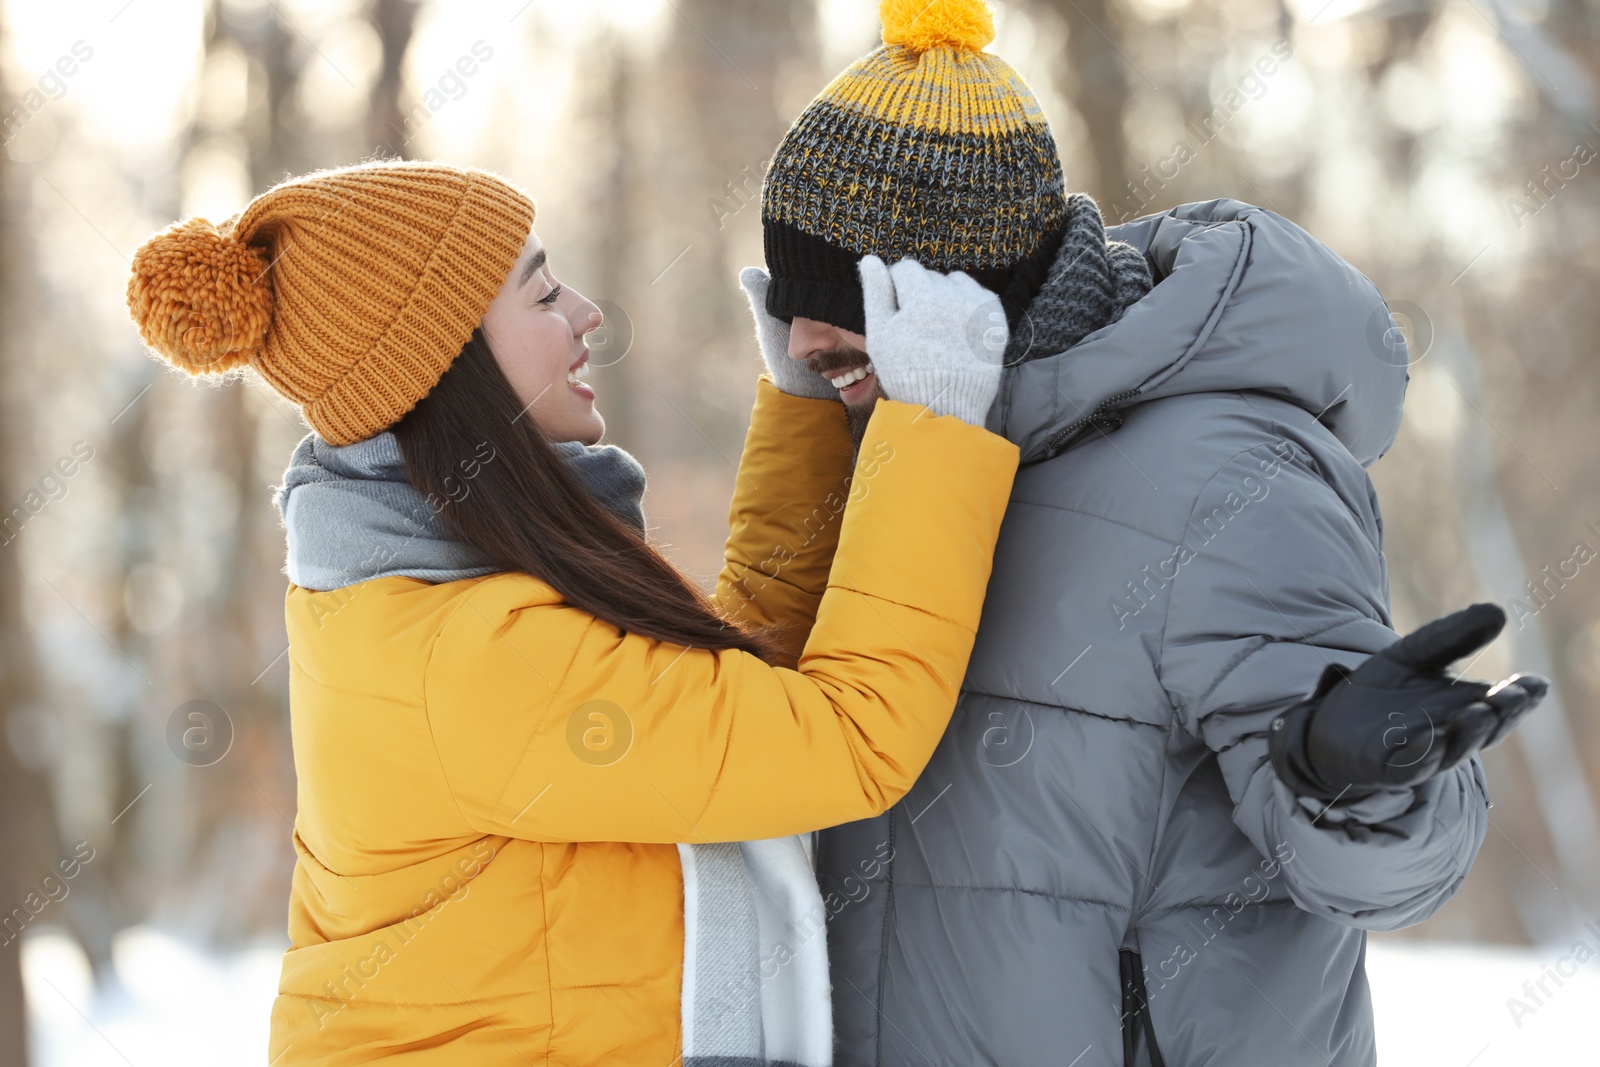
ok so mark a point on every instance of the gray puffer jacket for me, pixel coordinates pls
(1099, 867)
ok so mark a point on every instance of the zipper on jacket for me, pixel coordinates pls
(1136, 1020)
(883, 947)
(1104, 414)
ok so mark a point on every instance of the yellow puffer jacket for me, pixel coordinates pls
(492, 782)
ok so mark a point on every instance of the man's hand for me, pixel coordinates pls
(1399, 719)
(934, 339)
(792, 376)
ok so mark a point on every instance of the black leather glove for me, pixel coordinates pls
(1399, 719)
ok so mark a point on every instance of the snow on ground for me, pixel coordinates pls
(176, 1008)
(1437, 1004)
(1450, 1004)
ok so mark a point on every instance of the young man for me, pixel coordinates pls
(1191, 764)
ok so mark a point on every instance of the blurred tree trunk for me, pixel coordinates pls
(26, 832)
(720, 72)
(1095, 79)
(1560, 787)
(233, 639)
(613, 205)
(729, 76)
(395, 21)
(230, 630)
(25, 852)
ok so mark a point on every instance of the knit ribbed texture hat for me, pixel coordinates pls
(350, 291)
(926, 148)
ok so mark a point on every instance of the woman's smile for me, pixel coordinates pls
(575, 374)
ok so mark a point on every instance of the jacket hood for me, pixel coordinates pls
(1244, 301)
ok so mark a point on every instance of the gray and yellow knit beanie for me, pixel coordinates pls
(927, 148)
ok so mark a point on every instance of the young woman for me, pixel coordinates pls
(522, 737)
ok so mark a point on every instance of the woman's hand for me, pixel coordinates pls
(791, 376)
(934, 339)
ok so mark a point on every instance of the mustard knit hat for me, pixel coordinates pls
(350, 291)
(926, 148)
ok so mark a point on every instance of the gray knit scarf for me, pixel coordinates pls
(351, 515)
(755, 974)
(1089, 285)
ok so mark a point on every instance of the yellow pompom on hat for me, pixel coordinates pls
(350, 291)
(922, 26)
(927, 148)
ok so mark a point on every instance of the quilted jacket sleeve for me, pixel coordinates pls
(788, 505)
(719, 746)
(1293, 581)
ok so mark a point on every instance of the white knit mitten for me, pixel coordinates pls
(792, 376)
(934, 339)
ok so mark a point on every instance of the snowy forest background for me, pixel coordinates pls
(1447, 148)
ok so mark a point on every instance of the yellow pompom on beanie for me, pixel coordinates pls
(350, 291)
(923, 25)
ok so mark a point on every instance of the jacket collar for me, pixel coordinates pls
(1244, 301)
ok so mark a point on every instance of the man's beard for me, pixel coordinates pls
(858, 414)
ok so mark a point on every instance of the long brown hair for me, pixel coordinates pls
(526, 509)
